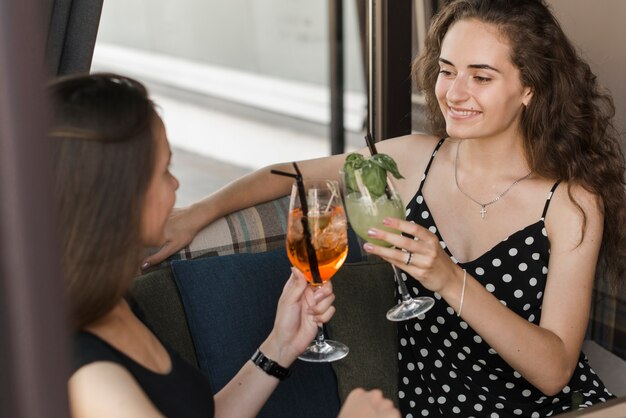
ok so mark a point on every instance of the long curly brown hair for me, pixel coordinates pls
(568, 125)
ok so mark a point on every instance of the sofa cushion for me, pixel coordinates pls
(364, 293)
(607, 319)
(230, 303)
(611, 368)
(154, 297)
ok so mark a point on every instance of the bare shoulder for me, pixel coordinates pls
(413, 142)
(411, 152)
(575, 216)
(105, 389)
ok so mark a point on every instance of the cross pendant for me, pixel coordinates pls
(482, 211)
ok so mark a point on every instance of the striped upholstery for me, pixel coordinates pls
(252, 230)
(607, 324)
(255, 229)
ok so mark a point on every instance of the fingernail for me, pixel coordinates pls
(145, 265)
(368, 247)
(386, 221)
(371, 232)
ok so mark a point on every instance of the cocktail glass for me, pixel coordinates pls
(317, 244)
(366, 211)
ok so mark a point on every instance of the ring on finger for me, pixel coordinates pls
(409, 258)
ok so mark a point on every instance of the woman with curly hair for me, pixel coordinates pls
(516, 202)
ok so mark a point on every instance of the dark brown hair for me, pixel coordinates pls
(103, 124)
(568, 125)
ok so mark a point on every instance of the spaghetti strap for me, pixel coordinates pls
(545, 208)
(432, 157)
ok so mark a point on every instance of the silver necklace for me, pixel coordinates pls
(483, 206)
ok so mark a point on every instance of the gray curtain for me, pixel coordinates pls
(38, 40)
(72, 35)
(34, 351)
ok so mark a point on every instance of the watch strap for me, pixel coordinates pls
(269, 366)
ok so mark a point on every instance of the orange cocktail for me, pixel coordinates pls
(328, 236)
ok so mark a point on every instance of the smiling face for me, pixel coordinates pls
(478, 88)
(161, 193)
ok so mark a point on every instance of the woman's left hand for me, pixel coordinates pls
(301, 309)
(422, 257)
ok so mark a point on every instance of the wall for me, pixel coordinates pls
(598, 29)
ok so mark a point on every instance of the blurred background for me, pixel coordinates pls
(246, 82)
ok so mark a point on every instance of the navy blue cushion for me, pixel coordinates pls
(230, 302)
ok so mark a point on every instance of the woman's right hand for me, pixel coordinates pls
(301, 308)
(368, 404)
(180, 230)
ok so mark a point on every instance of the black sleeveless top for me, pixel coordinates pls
(445, 367)
(183, 392)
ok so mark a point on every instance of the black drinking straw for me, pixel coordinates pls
(370, 143)
(372, 146)
(315, 271)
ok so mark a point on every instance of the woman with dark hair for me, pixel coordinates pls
(516, 202)
(115, 193)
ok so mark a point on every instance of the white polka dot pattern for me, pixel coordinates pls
(458, 373)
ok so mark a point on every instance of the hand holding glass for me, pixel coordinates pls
(366, 211)
(319, 259)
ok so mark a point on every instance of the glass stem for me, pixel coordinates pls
(319, 341)
(404, 292)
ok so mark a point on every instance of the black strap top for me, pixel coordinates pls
(183, 392)
(446, 369)
(432, 158)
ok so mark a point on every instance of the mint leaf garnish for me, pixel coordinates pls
(373, 172)
(387, 163)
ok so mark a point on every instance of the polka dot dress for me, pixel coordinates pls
(447, 370)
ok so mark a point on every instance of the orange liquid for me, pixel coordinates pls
(330, 241)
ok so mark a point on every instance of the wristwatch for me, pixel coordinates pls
(269, 366)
